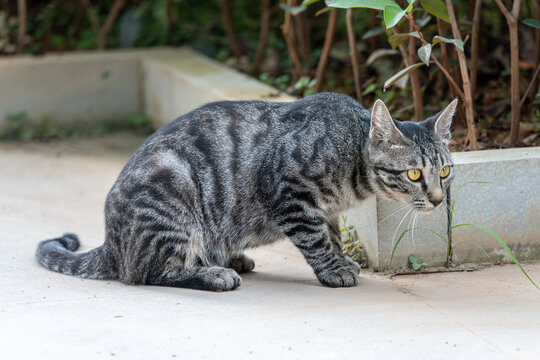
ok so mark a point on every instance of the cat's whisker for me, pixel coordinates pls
(399, 225)
(415, 221)
(410, 226)
(395, 212)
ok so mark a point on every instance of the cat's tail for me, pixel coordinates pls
(58, 255)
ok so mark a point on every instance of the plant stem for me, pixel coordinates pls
(109, 22)
(303, 43)
(329, 39)
(537, 44)
(512, 21)
(531, 85)
(416, 28)
(469, 112)
(21, 31)
(415, 82)
(291, 45)
(449, 250)
(352, 50)
(226, 19)
(90, 12)
(449, 78)
(266, 14)
(474, 43)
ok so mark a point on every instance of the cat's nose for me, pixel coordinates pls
(435, 201)
(435, 197)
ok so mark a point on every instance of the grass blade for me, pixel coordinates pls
(504, 246)
(475, 244)
(403, 234)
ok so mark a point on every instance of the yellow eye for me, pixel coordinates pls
(444, 171)
(414, 174)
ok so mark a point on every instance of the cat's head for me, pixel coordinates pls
(410, 161)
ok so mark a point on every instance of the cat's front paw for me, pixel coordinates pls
(342, 277)
(353, 265)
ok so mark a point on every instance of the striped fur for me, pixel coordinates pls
(235, 175)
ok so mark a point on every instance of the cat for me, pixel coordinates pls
(234, 175)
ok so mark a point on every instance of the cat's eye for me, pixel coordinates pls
(414, 174)
(444, 171)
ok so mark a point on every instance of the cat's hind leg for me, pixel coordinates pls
(214, 278)
(241, 263)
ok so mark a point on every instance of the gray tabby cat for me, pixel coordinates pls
(235, 175)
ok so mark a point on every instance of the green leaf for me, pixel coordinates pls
(397, 39)
(403, 234)
(377, 54)
(401, 74)
(424, 53)
(532, 22)
(392, 15)
(373, 32)
(371, 4)
(504, 246)
(323, 10)
(415, 263)
(457, 43)
(294, 10)
(436, 8)
(308, 2)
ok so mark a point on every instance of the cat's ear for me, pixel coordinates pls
(443, 121)
(383, 131)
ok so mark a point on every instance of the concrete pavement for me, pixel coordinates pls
(280, 311)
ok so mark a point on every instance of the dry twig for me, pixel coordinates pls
(354, 59)
(21, 32)
(109, 22)
(266, 14)
(325, 55)
(291, 44)
(468, 102)
(225, 7)
(512, 21)
(474, 43)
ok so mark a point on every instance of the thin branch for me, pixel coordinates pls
(225, 11)
(443, 69)
(109, 22)
(291, 45)
(74, 28)
(469, 111)
(504, 10)
(537, 42)
(474, 43)
(352, 50)
(413, 76)
(266, 14)
(325, 55)
(21, 32)
(512, 21)
(94, 22)
(301, 36)
(450, 79)
(531, 85)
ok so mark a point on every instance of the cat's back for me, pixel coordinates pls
(237, 132)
